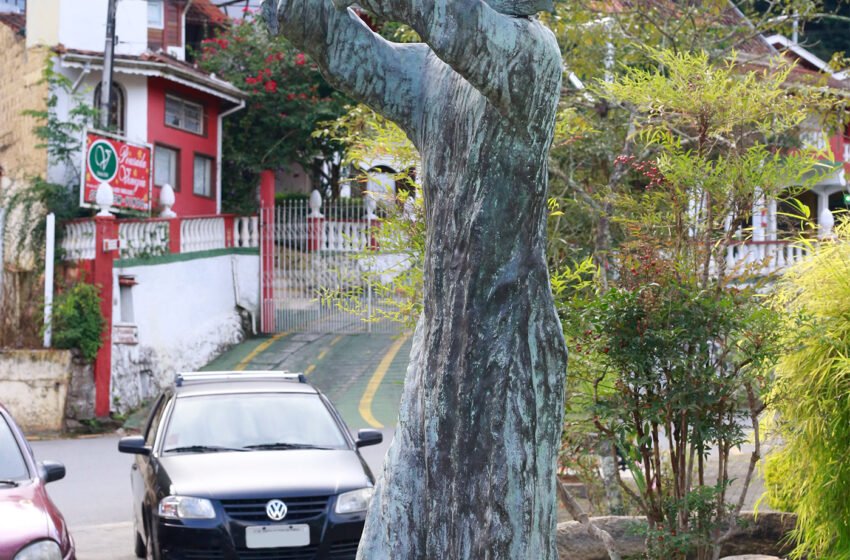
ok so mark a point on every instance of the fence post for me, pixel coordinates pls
(315, 223)
(267, 249)
(106, 248)
(174, 234)
(228, 230)
(49, 253)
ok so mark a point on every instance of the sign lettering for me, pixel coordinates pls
(125, 165)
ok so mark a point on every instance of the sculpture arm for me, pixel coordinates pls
(500, 55)
(381, 74)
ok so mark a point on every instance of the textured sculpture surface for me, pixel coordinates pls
(471, 472)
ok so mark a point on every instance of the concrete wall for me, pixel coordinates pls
(185, 309)
(34, 387)
(81, 24)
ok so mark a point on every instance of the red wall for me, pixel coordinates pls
(186, 203)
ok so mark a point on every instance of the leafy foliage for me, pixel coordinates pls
(669, 371)
(287, 97)
(77, 319)
(672, 350)
(62, 138)
(811, 398)
(398, 288)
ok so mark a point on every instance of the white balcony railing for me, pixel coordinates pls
(140, 238)
(763, 257)
(78, 243)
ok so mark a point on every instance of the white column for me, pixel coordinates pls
(772, 226)
(49, 252)
(826, 221)
(759, 216)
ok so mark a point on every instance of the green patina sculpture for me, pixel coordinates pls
(471, 472)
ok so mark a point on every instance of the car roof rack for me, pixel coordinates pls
(185, 377)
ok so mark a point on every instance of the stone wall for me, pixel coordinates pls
(20, 89)
(34, 387)
(765, 533)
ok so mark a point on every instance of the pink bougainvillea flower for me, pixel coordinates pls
(271, 86)
(300, 59)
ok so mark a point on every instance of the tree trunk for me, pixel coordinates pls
(471, 472)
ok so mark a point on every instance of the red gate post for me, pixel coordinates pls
(174, 225)
(267, 248)
(106, 248)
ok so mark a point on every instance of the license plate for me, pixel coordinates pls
(274, 536)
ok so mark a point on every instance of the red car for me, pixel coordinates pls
(31, 527)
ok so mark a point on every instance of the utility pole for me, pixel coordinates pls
(108, 55)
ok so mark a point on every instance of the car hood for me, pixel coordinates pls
(231, 475)
(24, 515)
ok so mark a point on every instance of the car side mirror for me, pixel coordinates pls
(52, 471)
(133, 444)
(368, 437)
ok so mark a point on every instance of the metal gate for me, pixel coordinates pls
(316, 266)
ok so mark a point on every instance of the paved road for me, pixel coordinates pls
(94, 496)
(362, 374)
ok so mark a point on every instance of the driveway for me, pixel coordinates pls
(362, 374)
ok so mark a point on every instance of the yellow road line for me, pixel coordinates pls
(365, 407)
(258, 350)
(321, 355)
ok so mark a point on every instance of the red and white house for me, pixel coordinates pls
(161, 98)
(176, 287)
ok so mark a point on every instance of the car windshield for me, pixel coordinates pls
(12, 464)
(248, 421)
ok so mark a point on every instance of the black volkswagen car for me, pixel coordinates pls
(248, 465)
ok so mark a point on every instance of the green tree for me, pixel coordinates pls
(673, 352)
(286, 98)
(589, 171)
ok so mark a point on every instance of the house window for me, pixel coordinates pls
(116, 112)
(165, 166)
(203, 176)
(183, 114)
(156, 10)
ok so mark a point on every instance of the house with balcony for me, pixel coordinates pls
(770, 245)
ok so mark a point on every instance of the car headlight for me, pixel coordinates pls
(354, 501)
(183, 507)
(41, 550)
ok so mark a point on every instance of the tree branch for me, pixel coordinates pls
(572, 506)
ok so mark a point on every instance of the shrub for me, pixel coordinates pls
(77, 320)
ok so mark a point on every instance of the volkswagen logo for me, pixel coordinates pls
(276, 510)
